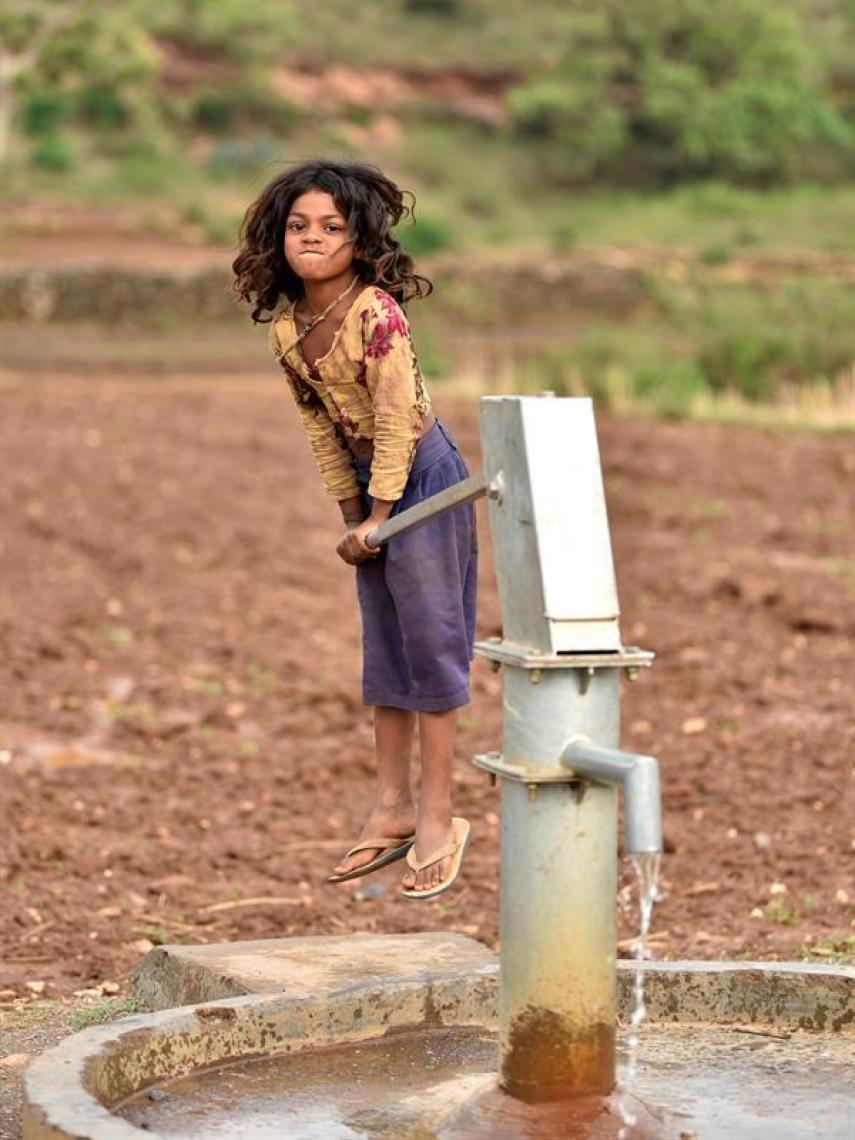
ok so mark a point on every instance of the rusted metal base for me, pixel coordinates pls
(547, 1058)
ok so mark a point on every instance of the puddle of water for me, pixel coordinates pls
(708, 1084)
(376, 1089)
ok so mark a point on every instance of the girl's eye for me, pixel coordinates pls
(293, 226)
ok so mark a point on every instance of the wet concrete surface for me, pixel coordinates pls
(700, 1083)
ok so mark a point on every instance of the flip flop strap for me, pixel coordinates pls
(435, 856)
(380, 843)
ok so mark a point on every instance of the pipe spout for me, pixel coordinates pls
(639, 777)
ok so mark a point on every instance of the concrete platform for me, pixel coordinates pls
(790, 995)
(183, 975)
(284, 997)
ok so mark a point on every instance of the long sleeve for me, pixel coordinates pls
(398, 394)
(326, 440)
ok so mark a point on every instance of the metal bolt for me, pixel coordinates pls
(532, 793)
(492, 776)
(632, 673)
(496, 489)
(495, 665)
(535, 676)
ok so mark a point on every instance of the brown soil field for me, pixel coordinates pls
(184, 752)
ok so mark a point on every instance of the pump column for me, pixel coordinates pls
(562, 658)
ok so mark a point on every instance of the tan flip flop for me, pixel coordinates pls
(455, 850)
(390, 850)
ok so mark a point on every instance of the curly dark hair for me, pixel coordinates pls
(372, 205)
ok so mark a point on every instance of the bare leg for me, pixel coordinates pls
(393, 813)
(433, 827)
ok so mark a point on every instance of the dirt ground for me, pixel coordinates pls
(183, 751)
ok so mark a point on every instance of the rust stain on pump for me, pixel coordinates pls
(548, 1058)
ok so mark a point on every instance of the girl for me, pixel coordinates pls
(320, 236)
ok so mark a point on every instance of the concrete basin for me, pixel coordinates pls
(376, 1036)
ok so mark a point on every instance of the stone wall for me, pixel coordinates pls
(472, 294)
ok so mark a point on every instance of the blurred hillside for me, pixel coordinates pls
(702, 154)
(494, 112)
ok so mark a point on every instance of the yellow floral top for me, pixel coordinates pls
(367, 386)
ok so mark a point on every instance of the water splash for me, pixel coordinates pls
(646, 867)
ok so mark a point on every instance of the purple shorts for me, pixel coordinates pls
(418, 597)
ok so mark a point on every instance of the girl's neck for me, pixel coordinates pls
(319, 294)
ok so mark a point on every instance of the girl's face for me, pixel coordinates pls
(318, 245)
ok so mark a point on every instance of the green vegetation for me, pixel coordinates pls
(103, 1012)
(159, 935)
(781, 912)
(537, 129)
(625, 93)
(838, 948)
(682, 89)
(706, 340)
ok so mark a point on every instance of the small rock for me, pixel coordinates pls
(778, 889)
(692, 725)
(15, 1060)
(370, 891)
(110, 987)
(143, 945)
(757, 912)
(693, 655)
(36, 987)
(119, 688)
(157, 1094)
(761, 840)
(703, 889)
(841, 896)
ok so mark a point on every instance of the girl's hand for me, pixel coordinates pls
(352, 549)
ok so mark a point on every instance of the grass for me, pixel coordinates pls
(838, 948)
(479, 188)
(719, 221)
(471, 35)
(32, 1014)
(781, 912)
(103, 1012)
(709, 350)
(158, 934)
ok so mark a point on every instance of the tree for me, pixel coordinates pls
(678, 89)
(25, 28)
(103, 59)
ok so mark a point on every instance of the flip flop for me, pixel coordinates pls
(455, 849)
(390, 850)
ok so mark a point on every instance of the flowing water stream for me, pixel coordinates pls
(646, 867)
